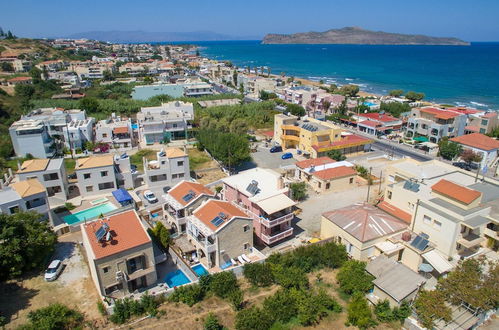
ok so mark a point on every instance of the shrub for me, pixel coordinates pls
(354, 278)
(223, 283)
(298, 190)
(403, 312)
(54, 317)
(384, 312)
(282, 304)
(125, 308)
(253, 318)
(211, 323)
(188, 294)
(101, 308)
(236, 298)
(69, 206)
(359, 312)
(259, 274)
(290, 277)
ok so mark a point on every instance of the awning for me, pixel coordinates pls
(276, 203)
(122, 196)
(438, 262)
(421, 139)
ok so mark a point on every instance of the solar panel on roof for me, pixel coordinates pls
(416, 241)
(412, 186)
(252, 187)
(101, 232)
(423, 244)
(424, 235)
(217, 221)
(190, 195)
(222, 215)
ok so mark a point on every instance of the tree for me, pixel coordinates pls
(353, 277)
(222, 284)
(10, 36)
(54, 317)
(359, 312)
(326, 105)
(342, 108)
(395, 108)
(282, 304)
(253, 318)
(430, 306)
(336, 155)
(259, 274)
(295, 109)
(290, 277)
(396, 92)
(90, 104)
(8, 67)
(162, 235)
(447, 149)
(384, 312)
(211, 323)
(349, 90)
(414, 96)
(469, 156)
(238, 126)
(27, 242)
(107, 75)
(36, 74)
(24, 91)
(298, 190)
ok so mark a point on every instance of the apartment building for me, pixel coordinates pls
(115, 131)
(170, 167)
(360, 227)
(95, 175)
(31, 137)
(482, 122)
(434, 123)
(219, 72)
(23, 196)
(483, 145)
(51, 173)
(262, 195)
(314, 137)
(21, 65)
(253, 84)
(92, 70)
(187, 87)
(170, 121)
(219, 231)
(377, 123)
(305, 96)
(197, 89)
(324, 174)
(120, 254)
(52, 65)
(181, 200)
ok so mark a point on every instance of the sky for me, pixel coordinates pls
(471, 20)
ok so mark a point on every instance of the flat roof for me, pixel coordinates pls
(276, 203)
(126, 230)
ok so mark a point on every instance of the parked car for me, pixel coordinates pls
(53, 270)
(276, 149)
(287, 155)
(463, 165)
(150, 197)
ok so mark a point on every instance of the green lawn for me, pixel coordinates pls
(136, 159)
(69, 164)
(197, 159)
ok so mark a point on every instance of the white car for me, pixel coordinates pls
(150, 197)
(53, 271)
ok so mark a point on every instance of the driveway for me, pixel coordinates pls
(158, 192)
(266, 159)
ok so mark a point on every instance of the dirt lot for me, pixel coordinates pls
(206, 169)
(74, 288)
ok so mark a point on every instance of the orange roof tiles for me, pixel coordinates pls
(19, 79)
(477, 140)
(120, 130)
(184, 187)
(126, 230)
(395, 211)
(455, 191)
(335, 173)
(209, 211)
(441, 114)
(33, 165)
(314, 162)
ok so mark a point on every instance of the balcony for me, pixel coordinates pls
(470, 240)
(291, 138)
(291, 127)
(267, 239)
(277, 221)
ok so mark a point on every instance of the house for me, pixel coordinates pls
(170, 121)
(21, 65)
(51, 173)
(20, 81)
(116, 131)
(220, 232)
(169, 168)
(96, 175)
(435, 123)
(314, 137)
(360, 227)
(253, 84)
(377, 123)
(181, 200)
(483, 145)
(23, 196)
(120, 254)
(325, 174)
(52, 66)
(482, 122)
(92, 70)
(262, 195)
(393, 281)
(301, 95)
(188, 88)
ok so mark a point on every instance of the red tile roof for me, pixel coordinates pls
(395, 211)
(378, 117)
(268, 133)
(15, 79)
(441, 114)
(467, 111)
(212, 209)
(126, 230)
(120, 130)
(369, 123)
(477, 140)
(491, 114)
(184, 187)
(314, 162)
(455, 191)
(335, 173)
(471, 128)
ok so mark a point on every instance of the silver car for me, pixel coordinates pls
(53, 271)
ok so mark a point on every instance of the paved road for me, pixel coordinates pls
(399, 150)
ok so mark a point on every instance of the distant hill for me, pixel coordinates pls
(143, 36)
(359, 36)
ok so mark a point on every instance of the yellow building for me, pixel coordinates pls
(315, 137)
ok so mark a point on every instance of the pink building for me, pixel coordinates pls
(262, 195)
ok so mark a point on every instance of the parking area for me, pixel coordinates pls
(266, 159)
(157, 191)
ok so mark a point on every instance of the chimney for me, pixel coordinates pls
(280, 183)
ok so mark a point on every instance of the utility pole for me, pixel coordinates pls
(380, 179)
(369, 184)
(477, 171)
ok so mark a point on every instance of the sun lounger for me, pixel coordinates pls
(245, 257)
(241, 260)
(233, 262)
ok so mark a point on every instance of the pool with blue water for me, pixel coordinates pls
(199, 270)
(176, 278)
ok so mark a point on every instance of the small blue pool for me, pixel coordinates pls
(199, 270)
(369, 104)
(176, 278)
(89, 214)
(135, 127)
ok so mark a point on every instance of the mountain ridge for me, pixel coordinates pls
(360, 36)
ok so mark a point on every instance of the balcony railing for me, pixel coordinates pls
(278, 221)
(470, 240)
(277, 237)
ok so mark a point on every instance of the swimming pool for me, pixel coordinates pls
(199, 270)
(89, 214)
(369, 104)
(176, 278)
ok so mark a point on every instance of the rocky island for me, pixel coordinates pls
(359, 36)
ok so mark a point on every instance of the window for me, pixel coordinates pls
(181, 175)
(103, 173)
(319, 184)
(86, 175)
(437, 224)
(50, 177)
(174, 176)
(89, 188)
(245, 228)
(427, 220)
(180, 163)
(105, 269)
(246, 246)
(350, 181)
(13, 209)
(482, 130)
(104, 135)
(106, 185)
(155, 178)
(328, 185)
(389, 195)
(484, 122)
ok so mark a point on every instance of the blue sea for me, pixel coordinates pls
(460, 75)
